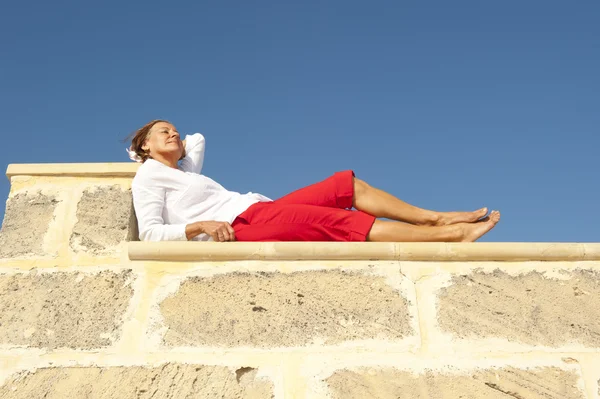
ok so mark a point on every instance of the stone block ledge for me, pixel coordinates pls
(115, 169)
(229, 251)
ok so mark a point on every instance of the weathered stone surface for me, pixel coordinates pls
(529, 308)
(281, 309)
(26, 221)
(105, 217)
(174, 381)
(56, 310)
(541, 383)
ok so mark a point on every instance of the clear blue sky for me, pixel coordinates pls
(448, 105)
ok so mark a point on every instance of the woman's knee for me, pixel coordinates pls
(360, 188)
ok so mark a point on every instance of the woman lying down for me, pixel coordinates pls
(174, 201)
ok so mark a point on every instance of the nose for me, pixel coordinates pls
(174, 134)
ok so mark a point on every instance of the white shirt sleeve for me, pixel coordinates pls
(149, 202)
(194, 153)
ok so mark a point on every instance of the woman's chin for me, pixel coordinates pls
(173, 148)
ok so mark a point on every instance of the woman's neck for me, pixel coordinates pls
(167, 161)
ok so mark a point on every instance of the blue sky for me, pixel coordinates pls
(448, 105)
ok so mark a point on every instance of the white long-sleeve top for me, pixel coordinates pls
(167, 199)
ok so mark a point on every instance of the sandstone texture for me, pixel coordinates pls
(507, 383)
(26, 222)
(171, 381)
(529, 309)
(105, 218)
(63, 310)
(281, 309)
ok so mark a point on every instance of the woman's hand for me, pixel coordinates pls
(219, 231)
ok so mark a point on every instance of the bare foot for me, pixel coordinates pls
(473, 231)
(446, 218)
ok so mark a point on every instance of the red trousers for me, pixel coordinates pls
(319, 212)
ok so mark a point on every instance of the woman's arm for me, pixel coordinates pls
(148, 203)
(194, 153)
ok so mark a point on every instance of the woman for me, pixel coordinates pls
(176, 202)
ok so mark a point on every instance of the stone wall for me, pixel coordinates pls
(85, 312)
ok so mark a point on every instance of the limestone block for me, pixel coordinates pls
(105, 218)
(284, 309)
(165, 382)
(26, 221)
(539, 383)
(528, 308)
(63, 310)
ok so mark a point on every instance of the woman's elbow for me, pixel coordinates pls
(148, 235)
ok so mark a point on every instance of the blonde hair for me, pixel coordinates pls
(140, 136)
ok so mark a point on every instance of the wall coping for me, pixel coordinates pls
(115, 169)
(230, 251)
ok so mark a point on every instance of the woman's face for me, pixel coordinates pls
(164, 141)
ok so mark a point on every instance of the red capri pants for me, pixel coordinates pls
(319, 212)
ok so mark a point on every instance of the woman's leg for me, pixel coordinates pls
(336, 191)
(343, 190)
(381, 204)
(271, 221)
(403, 232)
